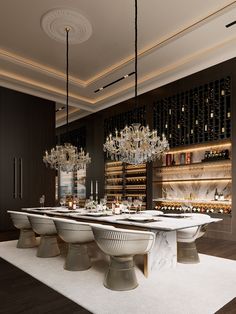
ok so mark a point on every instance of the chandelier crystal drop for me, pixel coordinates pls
(66, 157)
(135, 144)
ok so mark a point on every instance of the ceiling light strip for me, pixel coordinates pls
(114, 82)
(230, 24)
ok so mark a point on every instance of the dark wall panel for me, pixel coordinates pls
(27, 129)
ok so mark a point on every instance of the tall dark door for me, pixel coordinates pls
(19, 166)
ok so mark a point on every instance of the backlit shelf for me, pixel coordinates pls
(114, 169)
(135, 194)
(136, 187)
(114, 187)
(197, 165)
(143, 166)
(114, 179)
(194, 201)
(136, 171)
(114, 173)
(201, 147)
(207, 180)
(135, 178)
(113, 164)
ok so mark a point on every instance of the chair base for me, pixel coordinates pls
(48, 247)
(121, 274)
(26, 239)
(77, 258)
(187, 253)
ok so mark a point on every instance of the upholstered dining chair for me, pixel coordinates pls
(186, 246)
(27, 236)
(77, 235)
(121, 245)
(44, 226)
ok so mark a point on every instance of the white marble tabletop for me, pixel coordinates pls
(166, 222)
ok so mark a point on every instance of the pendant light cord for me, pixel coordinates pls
(136, 54)
(67, 81)
(136, 118)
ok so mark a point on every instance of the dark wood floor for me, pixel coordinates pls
(215, 247)
(21, 293)
(229, 308)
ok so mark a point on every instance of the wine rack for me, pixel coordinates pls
(119, 121)
(195, 179)
(135, 181)
(114, 180)
(196, 207)
(123, 180)
(198, 115)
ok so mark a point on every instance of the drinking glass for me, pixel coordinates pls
(140, 199)
(42, 200)
(136, 205)
(125, 205)
(103, 203)
(87, 203)
(184, 208)
(62, 201)
(130, 202)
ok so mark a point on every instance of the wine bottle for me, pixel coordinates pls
(216, 195)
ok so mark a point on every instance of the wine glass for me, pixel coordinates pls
(187, 207)
(184, 208)
(103, 203)
(42, 200)
(87, 203)
(140, 199)
(136, 205)
(190, 208)
(130, 202)
(62, 201)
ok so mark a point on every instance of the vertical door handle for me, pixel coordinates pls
(21, 178)
(15, 179)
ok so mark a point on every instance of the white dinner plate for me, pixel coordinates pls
(96, 214)
(151, 212)
(141, 218)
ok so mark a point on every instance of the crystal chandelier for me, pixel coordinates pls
(135, 144)
(67, 157)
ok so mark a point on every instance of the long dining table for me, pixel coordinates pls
(165, 226)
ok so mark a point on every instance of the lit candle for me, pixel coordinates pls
(91, 187)
(96, 187)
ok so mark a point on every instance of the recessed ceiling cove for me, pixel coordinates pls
(55, 21)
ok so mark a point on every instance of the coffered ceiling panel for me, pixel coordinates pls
(175, 38)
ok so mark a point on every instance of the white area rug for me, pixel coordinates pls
(188, 289)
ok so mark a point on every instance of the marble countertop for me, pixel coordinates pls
(156, 222)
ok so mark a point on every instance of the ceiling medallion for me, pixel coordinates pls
(54, 22)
